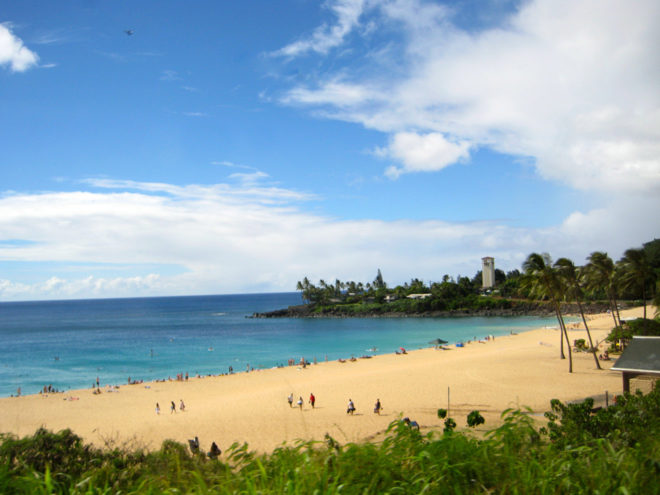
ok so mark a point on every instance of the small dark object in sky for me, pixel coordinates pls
(129, 32)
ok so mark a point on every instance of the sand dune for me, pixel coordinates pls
(511, 371)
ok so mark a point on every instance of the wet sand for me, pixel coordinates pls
(507, 372)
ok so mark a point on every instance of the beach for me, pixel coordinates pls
(513, 371)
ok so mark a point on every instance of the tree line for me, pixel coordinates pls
(636, 276)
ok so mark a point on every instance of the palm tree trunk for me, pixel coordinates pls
(586, 327)
(562, 326)
(616, 306)
(609, 299)
(644, 296)
(561, 334)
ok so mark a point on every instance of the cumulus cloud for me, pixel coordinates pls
(250, 238)
(14, 53)
(569, 83)
(422, 153)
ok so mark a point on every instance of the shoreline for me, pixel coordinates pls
(490, 376)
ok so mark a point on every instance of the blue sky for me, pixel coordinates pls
(240, 146)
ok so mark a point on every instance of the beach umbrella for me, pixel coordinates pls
(438, 342)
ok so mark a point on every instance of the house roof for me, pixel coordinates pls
(641, 356)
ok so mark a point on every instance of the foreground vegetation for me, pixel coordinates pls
(614, 450)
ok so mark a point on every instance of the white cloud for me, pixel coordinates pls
(170, 75)
(13, 52)
(333, 92)
(326, 36)
(249, 178)
(248, 238)
(226, 163)
(88, 287)
(570, 83)
(422, 153)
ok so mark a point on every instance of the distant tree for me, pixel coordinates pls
(416, 286)
(543, 282)
(652, 250)
(305, 287)
(511, 286)
(567, 271)
(379, 283)
(500, 276)
(599, 273)
(636, 272)
(465, 286)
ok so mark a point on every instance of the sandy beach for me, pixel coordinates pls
(510, 371)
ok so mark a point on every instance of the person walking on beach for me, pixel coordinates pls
(290, 399)
(172, 408)
(157, 408)
(351, 407)
(312, 400)
(378, 407)
(300, 403)
(182, 406)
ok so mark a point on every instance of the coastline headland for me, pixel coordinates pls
(512, 371)
(517, 308)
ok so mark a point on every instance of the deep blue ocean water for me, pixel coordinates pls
(69, 343)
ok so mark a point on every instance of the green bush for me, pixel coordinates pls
(639, 326)
(475, 419)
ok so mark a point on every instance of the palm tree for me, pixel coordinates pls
(305, 287)
(599, 274)
(566, 270)
(544, 282)
(635, 271)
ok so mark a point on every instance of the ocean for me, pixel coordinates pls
(68, 344)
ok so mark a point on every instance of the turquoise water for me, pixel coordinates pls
(67, 344)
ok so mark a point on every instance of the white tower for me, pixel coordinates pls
(487, 272)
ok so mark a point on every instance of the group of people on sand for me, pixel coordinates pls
(299, 403)
(48, 389)
(182, 407)
(378, 407)
(213, 453)
(303, 362)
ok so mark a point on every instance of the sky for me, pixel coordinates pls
(166, 147)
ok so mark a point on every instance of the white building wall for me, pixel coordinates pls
(488, 272)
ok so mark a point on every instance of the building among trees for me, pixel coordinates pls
(487, 272)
